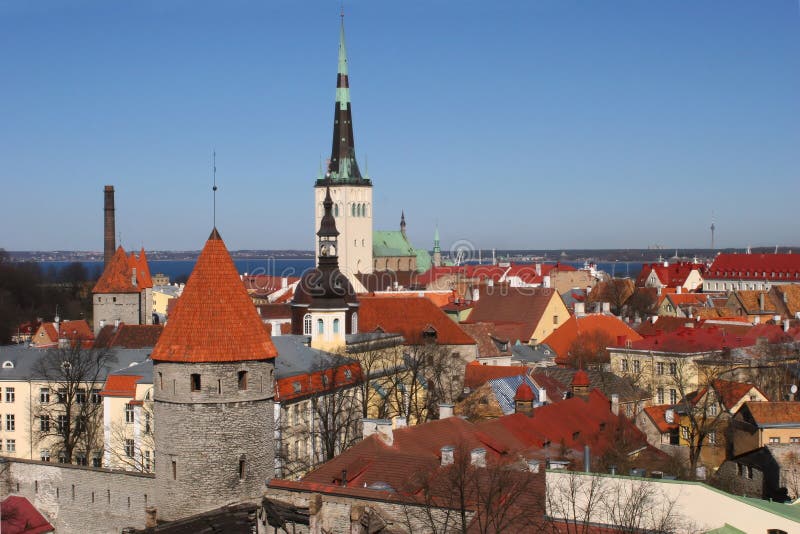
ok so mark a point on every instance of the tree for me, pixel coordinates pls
(70, 410)
(642, 303)
(590, 349)
(615, 291)
(128, 450)
(466, 496)
(323, 422)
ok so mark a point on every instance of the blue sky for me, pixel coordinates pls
(525, 124)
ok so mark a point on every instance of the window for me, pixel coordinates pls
(129, 448)
(195, 382)
(660, 395)
(10, 423)
(44, 395)
(320, 327)
(628, 410)
(624, 366)
(160, 380)
(44, 423)
(307, 324)
(147, 463)
(712, 409)
(147, 425)
(336, 326)
(637, 367)
(9, 394)
(96, 397)
(660, 368)
(555, 319)
(11, 445)
(794, 440)
(750, 471)
(296, 414)
(62, 424)
(62, 395)
(80, 396)
(354, 324)
(775, 440)
(174, 470)
(685, 432)
(712, 438)
(673, 396)
(740, 469)
(129, 415)
(96, 461)
(242, 468)
(80, 459)
(44, 454)
(242, 378)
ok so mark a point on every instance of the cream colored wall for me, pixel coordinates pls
(693, 281)
(783, 434)
(160, 301)
(117, 430)
(546, 326)
(648, 378)
(693, 506)
(355, 233)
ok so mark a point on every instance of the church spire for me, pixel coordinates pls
(343, 167)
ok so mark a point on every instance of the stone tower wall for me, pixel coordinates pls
(110, 307)
(207, 432)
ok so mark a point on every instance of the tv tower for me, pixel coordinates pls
(712, 231)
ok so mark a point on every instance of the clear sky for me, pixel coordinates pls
(525, 124)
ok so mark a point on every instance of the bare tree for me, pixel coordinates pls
(463, 496)
(589, 349)
(70, 410)
(128, 450)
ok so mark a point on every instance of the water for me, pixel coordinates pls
(293, 267)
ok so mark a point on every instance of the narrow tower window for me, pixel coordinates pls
(195, 383)
(320, 327)
(242, 375)
(336, 326)
(174, 470)
(242, 468)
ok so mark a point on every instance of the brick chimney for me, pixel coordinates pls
(109, 232)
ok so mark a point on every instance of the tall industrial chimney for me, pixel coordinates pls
(108, 227)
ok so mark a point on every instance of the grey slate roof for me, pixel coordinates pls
(608, 383)
(295, 358)
(24, 358)
(505, 388)
(527, 354)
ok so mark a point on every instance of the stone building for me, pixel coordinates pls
(213, 393)
(392, 251)
(124, 293)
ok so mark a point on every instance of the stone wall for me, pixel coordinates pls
(111, 307)
(80, 499)
(214, 446)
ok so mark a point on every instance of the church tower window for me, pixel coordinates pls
(307, 324)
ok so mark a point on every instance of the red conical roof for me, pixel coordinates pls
(214, 319)
(524, 393)
(117, 276)
(581, 378)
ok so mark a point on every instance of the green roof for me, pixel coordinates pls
(392, 243)
(727, 529)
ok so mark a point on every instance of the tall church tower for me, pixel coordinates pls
(351, 192)
(213, 394)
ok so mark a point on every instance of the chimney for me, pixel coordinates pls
(587, 460)
(580, 309)
(533, 465)
(669, 416)
(678, 290)
(538, 269)
(477, 457)
(786, 325)
(476, 294)
(445, 410)
(606, 307)
(447, 455)
(109, 232)
(761, 301)
(615, 404)
(284, 282)
(400, 422)
(543, 396)
(382, 427)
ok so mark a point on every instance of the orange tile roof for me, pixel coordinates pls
(129, 336)
(121, 386)
(657, 414)
(118, 274)
(774, 413)
(774, 267)
(409, 316)
(563, 337)
(75, 330)
(214, 320)
(440, 298)
(732, 392)
(475, 374)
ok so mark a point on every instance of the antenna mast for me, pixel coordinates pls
(214, 184)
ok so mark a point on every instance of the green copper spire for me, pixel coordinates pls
(436, 247)
(342, 92)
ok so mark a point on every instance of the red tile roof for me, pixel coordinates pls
(409, 316)
(581, 378)
(730, 393)
(674, 275)
(773, 267)
(561, 340)
(691, 340)
(440, 298)
(121, 386)
(303, 385)
(214, 320)
(476, 375)
(21, 517)
(75, 330)
(118, 274)
(129, 336)
(524, 393)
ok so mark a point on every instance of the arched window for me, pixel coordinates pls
(336, 326)
(320, 327)
(307, 324)
(336, 210)
(354, 323)
(353, 210)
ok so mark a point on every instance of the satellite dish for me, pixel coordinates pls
(793, 389)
